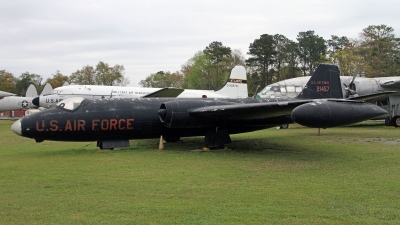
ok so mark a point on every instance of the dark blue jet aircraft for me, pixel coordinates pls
(112, 122)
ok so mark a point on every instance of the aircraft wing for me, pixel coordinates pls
(4, 94)
(390, 83)
(165, 93)
(372, 97)
(247, 111)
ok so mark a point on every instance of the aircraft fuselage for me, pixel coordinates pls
(128, 119)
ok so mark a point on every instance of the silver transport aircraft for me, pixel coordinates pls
(352, 87)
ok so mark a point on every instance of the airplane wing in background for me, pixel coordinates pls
(373, 97)
(4, 94)
(393, 83)
(165, 93)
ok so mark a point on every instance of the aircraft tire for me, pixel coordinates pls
(284, 126)
(396, 121)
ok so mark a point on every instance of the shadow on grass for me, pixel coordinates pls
(259, 147)
(297, 143)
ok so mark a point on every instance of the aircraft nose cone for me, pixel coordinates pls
(35, 101)
(16, 127)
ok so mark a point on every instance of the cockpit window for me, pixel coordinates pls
(265, 90)
(276, 88)
(54, 92)
(72, 103)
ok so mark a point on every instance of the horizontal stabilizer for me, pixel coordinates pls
(165, 93)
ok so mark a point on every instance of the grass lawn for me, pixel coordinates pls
(347, 175)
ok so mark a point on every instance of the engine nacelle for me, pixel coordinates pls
(364, 86)
(175, 114)
(324, 114)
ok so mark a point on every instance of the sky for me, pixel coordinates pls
(145, 37)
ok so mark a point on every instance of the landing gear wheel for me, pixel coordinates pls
(284, 126)
(395, 121)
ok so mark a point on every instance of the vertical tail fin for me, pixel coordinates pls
(236, 85)
(47, 89)
(31, 91)
(324, 83)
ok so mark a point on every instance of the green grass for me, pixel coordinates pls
(348, 175)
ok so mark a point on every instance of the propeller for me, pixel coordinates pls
(348, 87)
(255, 95)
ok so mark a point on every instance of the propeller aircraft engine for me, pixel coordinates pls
(350, 88)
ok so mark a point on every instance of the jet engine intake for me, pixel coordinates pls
(175, 114)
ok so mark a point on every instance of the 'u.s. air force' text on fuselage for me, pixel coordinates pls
(81, 125)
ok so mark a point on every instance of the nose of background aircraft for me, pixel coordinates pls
(16, 127)
(35, 101)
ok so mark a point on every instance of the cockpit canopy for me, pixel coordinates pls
(72, 103)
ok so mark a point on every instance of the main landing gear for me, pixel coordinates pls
(394, 121)
(216, 139)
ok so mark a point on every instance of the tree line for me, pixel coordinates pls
(271, 58)
(101, 74)
(275, 57)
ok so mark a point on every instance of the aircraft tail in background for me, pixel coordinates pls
(47, 89)
(31, 91)
(236, 85)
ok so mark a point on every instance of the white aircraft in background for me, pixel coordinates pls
(10, 103)
(235, 87)
(4, 94)
(352, 87)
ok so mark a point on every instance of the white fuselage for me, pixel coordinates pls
(235, 87)
(13, 103)
(97, 92)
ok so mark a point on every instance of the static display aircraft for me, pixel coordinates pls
(4, 94)
(112, 122)
(15, 102)
(235, 87)
(352, 87)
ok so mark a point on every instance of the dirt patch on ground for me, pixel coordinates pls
(388, 141)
